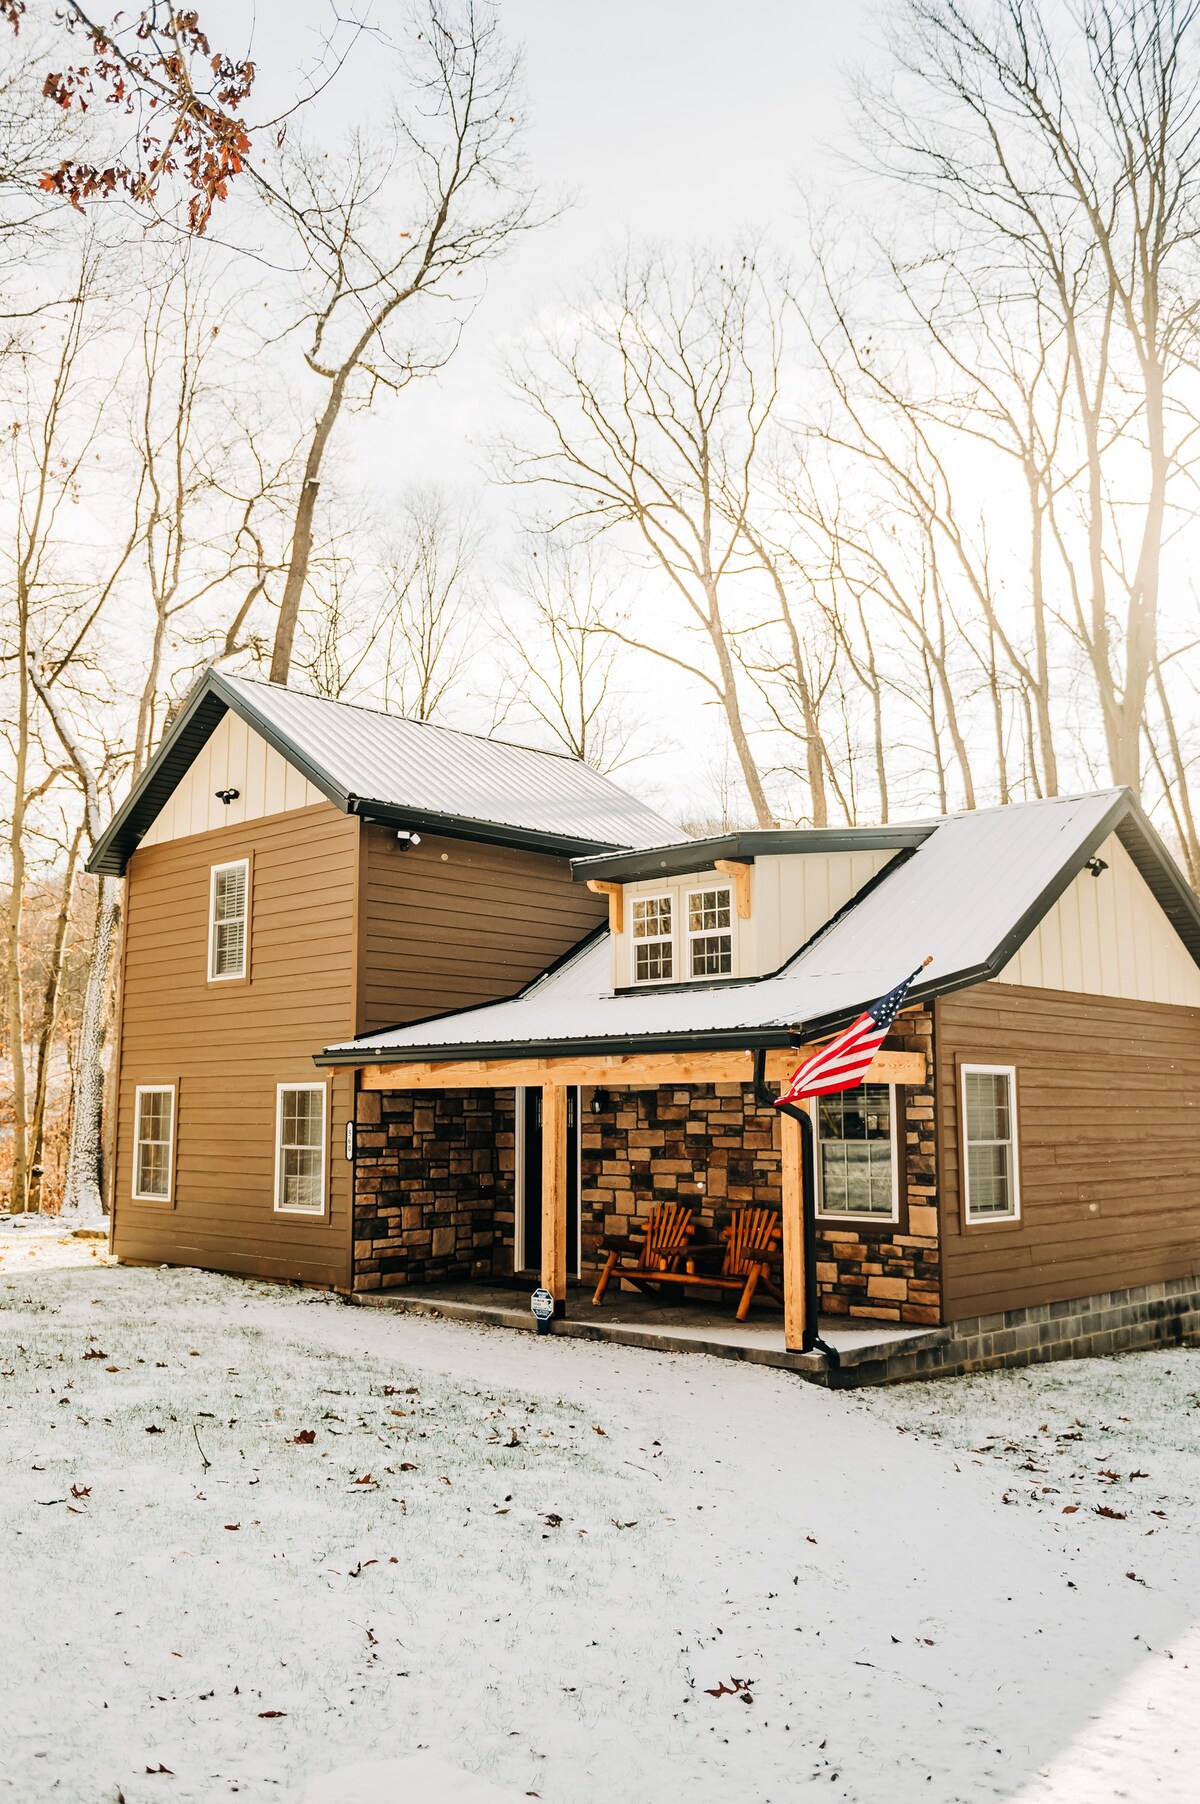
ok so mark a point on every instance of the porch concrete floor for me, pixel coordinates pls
(666, 1327)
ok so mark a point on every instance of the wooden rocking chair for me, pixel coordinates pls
(752, 1247)
(654, 1249)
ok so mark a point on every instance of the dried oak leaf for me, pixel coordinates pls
(1102, 1509)
(305, 1438)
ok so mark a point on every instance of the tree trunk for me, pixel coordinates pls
(45, 1046)
(83, 1192)
(14, 994)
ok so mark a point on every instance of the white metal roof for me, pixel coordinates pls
(969, 894)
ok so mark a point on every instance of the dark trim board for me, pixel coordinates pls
(744, 848)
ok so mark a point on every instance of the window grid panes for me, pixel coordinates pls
(152, 1136)
(855, 1174)
(653, 944)
(228, 945)
(710, 932)
(300, 1185)
(991, 1155)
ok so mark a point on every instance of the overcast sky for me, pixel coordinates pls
(676, 120)
(673, 119)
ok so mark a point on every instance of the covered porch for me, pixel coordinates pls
(446, 1156)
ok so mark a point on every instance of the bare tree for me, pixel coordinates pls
(647, 416)
(390, 231)
(1060, 148)
(562, 659)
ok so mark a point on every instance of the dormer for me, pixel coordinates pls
(735, 907)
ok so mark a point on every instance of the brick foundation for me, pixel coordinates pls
(1166, 1314)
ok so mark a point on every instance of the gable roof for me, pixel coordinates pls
(970, 893)
(409, 773)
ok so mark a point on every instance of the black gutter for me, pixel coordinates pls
(810, 1340)
(458, 826)
(683, 856)
(737, 1039)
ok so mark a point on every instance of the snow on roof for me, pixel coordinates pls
(969, 894)
(369, 762)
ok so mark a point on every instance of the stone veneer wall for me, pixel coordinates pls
(433, 1187)
(713, 1147)
(891, 1272)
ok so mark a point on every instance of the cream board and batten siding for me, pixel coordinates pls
(235, 757)
(790, 898)
(1107, 936)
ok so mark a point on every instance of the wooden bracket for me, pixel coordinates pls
(616, 902)
(730, 867)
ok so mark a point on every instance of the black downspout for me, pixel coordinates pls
(811, 1341)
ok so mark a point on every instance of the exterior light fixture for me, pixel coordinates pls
(1096, 865)
(227, 795)
(599, 1102)
(404, 840)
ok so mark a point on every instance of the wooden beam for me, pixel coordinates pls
(792, 1200)
(554, 1194)
(730, 867)
(616, 902)
(645, 1070)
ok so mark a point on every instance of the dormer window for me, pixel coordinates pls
(710, 932)
(653, 940)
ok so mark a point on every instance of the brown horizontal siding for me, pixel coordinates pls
(229, 1045)
(1108, 1124)
(451, 923)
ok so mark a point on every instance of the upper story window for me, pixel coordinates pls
(710, 932)
(228, 919)
(653, 939)
(856, 1153)
(989, 1113)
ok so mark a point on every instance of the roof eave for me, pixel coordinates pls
(682, 856)
(615, 1045)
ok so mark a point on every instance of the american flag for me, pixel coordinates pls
(844, 1062)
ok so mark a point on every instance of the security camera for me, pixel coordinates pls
(1096, 865)
(227, 795)
(405, 839)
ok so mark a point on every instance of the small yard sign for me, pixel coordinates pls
(542, 1305)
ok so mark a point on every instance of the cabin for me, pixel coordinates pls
(431, 1020)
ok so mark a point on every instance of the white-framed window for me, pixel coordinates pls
(854, 1144)
(653, 939)
(989, 1134)
(228, 920)
(153, 1142)
(300, 1154)
(710, 931)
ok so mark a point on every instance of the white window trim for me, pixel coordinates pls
(1014, 1214)
(150, 1196)
(657, 939)
(281, 1090)
(214, 976)
(857, 1214)
(708, 933)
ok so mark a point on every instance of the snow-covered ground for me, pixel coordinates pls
(253, 1537)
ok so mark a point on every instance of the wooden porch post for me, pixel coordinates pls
(792, 1147)
(554, 1194)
